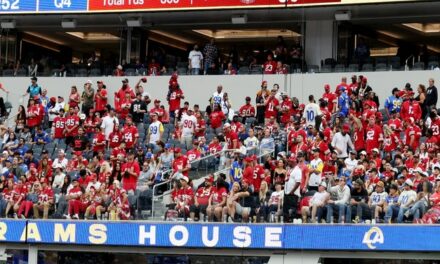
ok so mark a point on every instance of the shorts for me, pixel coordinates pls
(198, 209)
(240, 209)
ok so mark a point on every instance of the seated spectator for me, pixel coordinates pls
(341, 194)
(201, 200)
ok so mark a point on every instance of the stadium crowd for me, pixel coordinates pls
(340, 159)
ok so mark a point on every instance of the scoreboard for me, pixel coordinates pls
(93, 6)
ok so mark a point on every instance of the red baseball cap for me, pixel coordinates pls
(210, 179)
(346, 128)
(263, 83)
(177, 150)
(364, 80)
(327, 87)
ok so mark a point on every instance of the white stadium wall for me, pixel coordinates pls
(198, 89)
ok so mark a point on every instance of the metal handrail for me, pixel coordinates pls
(170, 179)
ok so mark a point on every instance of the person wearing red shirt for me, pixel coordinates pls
(343, 84)
(270, 66)
(247, 110)
(412, 134)
(320, 144)
(180, 163)
(201, 199)
(435, 123)
(235, 124)
(248, 172)
(101, 98)
(116, 137)
(158, 110)
(130, 172)
(431, 141)
(33, 114)
(185, 197)
(175, 95)
(286, 109)
(374, 135)
(122, 206)
(217, 116)
(214, 146)
(200, 125)
(194, 153)
(153, 68)
(258, 175)
(120, 94)
(72, 125)
(391, 140)
(272, 105)
(45, 200)
(353, 85)
(217, 201)
(410, 108)
(330, 98)
(281, 69)
(130, 133)
(74, 200)
(118, 152)
(58, 126)
(98, 142)
(231, 137)
(395, 123)
(125, 106)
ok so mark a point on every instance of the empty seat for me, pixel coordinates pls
(326, 68)
(81, 73)
(432, 65)
(312, 68)
(130, 72)
(353, 67)
(8, 72)
(381, 67)
(339, 68)
(95, 72)
(243, 70)
(21, 73)
(419, 66)
(367, 67)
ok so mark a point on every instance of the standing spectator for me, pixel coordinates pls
(55, 110)
(312, 113)
(33, 68)
(281, 69)
(72, 125)
(33, 89)
(119, 71)
(230, 70)
(431, 94)
(292, 190)
(138, 109)
(217, 97)
(120, 95)
(130, 172)
(216, 117)
(155, 131)
(174, 97)
(341, 141)
(210, 53)
(100, 98)
(393, 103)
(260, 100)
(421, 99)
(87, 97)
(195, 61)
(189, 122)
(73, 97)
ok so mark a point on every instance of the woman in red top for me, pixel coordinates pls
(217, 116)
(17, 196)
(74, 200)
(217, 201)
(359, 135)
(32, 114)
(115, 137)
(45, 169)
(73, 97)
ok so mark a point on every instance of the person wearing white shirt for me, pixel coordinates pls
(95, 184)
(217, 97)
(108, 123)
(251, 142)
(311, 111)
(189, 123)
(376, 201)
(60, 160)
(341, 140)
(318, 201)
(340, 198)
(195, 61)
(315, 168)
(155, 131)
(406, 199)
(58, 179)
(351, 162)
(54, 111)
(292, 190)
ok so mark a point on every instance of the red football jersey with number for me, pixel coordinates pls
(271, 108)
(99, 138)
(130, 133)
(230, 137)
(59, 123)
(270, 67)
(115, 139)
(216, 119)
(247, 110)
(100, 103)
(175, 99)
(435, 127)
(374, 136)
(72, 121)
(331, 100)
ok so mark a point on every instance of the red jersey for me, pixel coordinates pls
(125, 107)
(435, 127)
(230, 137)
(118, 151)
(411, 109)
(247, 110)
(181, 163)
(71, 122)
(395, 124)
(391, 142)
(374, 136)
(331, 100)
(193, 154)
(160, 113)
(76, 191)
(258, 176)
(271, 108)
(115, 139)
(201, 126)
(248, 175)
(218, 195)
(174, 100)
(359, 139)
(120, 94)
(269, 67)
(415, 131)
(59, 123)
(214, 148)
(98, 138)
(217, 118)
(323, 149)
(203, 195)
(129, 182)
(286, 111)
(186, 195)
(235, 126)
(432, 142)
(100, 102)
(130, 134)
(45, 195)
(33, 116)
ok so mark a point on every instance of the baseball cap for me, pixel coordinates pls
(167, 145)
(409, 182)
(248, 159)
(226, 125)
(380, 184)
(184, 178)
(327, 87)
(210, 179)
(99, 81)
(346, 128)
(375, 150)
(363, 152)
(177, 150)
(248, 98)
(89, 82)
(323, 184)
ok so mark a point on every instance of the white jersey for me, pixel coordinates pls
(189, 123)
(217, 98)
(315, 178)
(251, 142)
(108, 123)
(311, 111)
(196, 58)
(154, 131)
(377, 198)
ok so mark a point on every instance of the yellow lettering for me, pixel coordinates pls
(64, 235)
(32, 233)
(3, 230)
(98, 234)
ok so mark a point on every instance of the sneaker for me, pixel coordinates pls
(356, 220)
(230, 220)
(15, 216)
(23, 217)
(407, 214)
(68, 217)
(75, 216)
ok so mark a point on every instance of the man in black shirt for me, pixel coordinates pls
(358, 201)
(138, 109)
(80, 142)
(431, 95)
